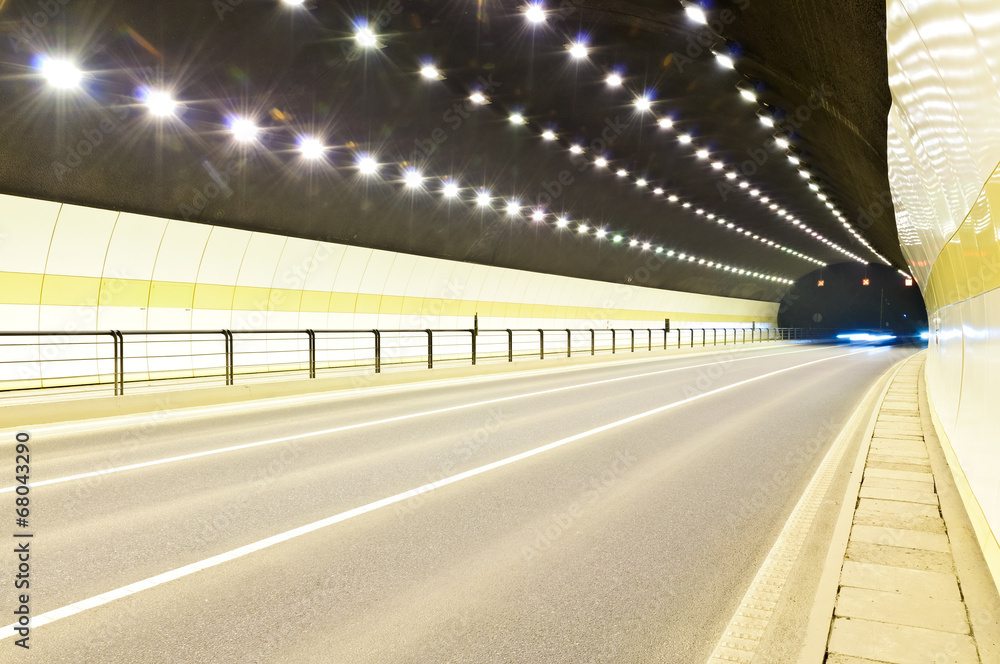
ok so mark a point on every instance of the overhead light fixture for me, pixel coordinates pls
(517, 118)
(694, 12)
(641, 182)
(685, 138)
(702, 154)
(513, 208)
(643, 104)
(549, 135)
(665, 123)
(478, 98)
(582, 228)
(747, 90)
(159, 102)
(243, 129)
(575, 149)
(449, 190)
(367, 165)
(621, 172)
(782, 142)
(724, 59)
(718, 165)
(535, 13)
(562, 222)
(431, 73)
(578, 50)
(731, 175)
(658, 191)
(633, 243)
(413, 178)
(365, 37)
(538, 215)
(672, 198)
(311, 148)
(60, 73)
(614, 80)
(600, 162)
(483, 198)
(795, 160)
(601, 232)
(766, 119)
(617, 238)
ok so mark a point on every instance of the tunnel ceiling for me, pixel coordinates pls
(817, 68)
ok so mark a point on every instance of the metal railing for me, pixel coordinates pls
(33, 360)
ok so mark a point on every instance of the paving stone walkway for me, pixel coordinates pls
(899, 599)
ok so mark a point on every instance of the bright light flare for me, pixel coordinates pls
(614, 80)
(431, 73)
(483, 198)
(578, 50)
(159, 102)
(60, 74)
(365, 37)
(514, 208)
(311, 148)
(244, 130)
(449, 189)
(643, 104)
(696, 14)
(367, 165)
(535, 13)
(413, 178)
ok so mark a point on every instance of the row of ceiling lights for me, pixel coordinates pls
(64, 75)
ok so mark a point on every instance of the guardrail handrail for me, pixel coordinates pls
(440, 344)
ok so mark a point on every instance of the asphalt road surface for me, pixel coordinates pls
(615, 513)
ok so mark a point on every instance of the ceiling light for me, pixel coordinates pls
(617, 238)
(767, 120)
(633, 243)
(666, 123)
(483, 198)
(643, 104)
(365, 37)
(805, 174)
(513, 208)
(413, 178)
(684, 138)
(431, 73)
(744, 185)
(535, 12)
(538, 215)
(718, 165)
(450, 190)
(575, 149)
(702, 154)
(621, 172)
(614, 80)
(730, 175)
(658, 191)
(695, 13)
(478, 98)
(647, 246)
(578, 50)
(641, 182)
(725, 60)
(61, 74)
(311, 148)
(367, 165)
(672, 198)
(748, 93)
(582, 228)
(159, 102)
(600, 162)
(755, 192)
(601, 232)
(659, 250)
(782, 142)
(517, 118)
(795, 160)
(562, 222)
(685, 205)
(549, 135)
(243, 130)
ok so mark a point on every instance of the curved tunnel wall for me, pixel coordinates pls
(66, 267)
(943, 149)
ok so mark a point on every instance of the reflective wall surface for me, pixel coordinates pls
(943, 149)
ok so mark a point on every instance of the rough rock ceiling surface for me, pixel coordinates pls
(818, 65)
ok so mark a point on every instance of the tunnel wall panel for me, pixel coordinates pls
(72, 268)
(943, 152)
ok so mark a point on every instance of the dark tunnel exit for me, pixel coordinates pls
(851, 297)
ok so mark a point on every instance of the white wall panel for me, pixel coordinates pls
(220, 263)
(180, 252)
(26, 227)
(80, 241)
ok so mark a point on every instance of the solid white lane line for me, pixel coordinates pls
(159, 579)
(359, 425)
(195, 412)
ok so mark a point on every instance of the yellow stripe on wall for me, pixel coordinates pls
(61, 290)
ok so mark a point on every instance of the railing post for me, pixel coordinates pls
(473, 333)
(715, 337)
(230, 356)
(692, 337)
(510, 345)
(678, 338)
(117, 341)
(569, 344)
(614, 341)
(312, 353)
(633, 339)
(650, 331)
(593, 345)
(541, 344)
(704, 337)
(430, 349)
(378, 351)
